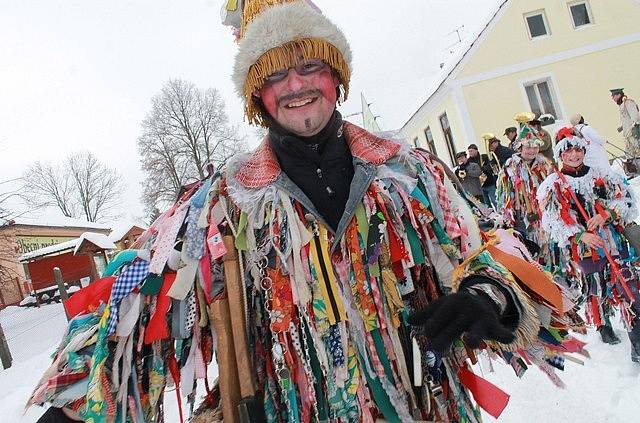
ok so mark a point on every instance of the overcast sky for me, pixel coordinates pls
(79, 74)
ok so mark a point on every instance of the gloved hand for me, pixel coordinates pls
(450, 316)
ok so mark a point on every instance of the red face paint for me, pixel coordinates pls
(302, 104)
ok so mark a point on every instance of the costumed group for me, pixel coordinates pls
(338, 275)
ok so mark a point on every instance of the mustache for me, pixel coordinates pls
(298, 95)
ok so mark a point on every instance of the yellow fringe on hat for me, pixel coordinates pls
(287, 56)
(253, 8)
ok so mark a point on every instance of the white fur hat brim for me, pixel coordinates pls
(279, 25)
(567, 143)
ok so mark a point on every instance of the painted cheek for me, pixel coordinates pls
(268, 97)
(327, 86)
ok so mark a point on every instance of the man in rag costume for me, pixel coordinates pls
(584, 212)
(518, 183)
(341, 273)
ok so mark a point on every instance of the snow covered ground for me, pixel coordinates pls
(33, 335)
(606, 389)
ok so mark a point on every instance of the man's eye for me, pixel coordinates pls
(277, 76)
(311, 67)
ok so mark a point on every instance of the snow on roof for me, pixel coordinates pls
(121, 229)
(51, 249)
(51, 219)
(99, 240)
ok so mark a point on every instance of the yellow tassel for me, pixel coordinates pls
(253, 8)
(287, 56)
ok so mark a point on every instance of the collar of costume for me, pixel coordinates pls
(261, 168)
(576, 172)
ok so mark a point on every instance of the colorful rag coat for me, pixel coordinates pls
(307, 322)
(328, 309)
(516, 191)
(598, 192)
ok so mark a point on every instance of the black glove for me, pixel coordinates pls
(448, 317)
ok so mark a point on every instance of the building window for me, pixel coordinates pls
(448, 137)
(542, 98)
(580, 13)
(415, 142)
(431, 145)
(537, 24)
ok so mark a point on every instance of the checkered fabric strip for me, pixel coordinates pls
(124, 284)
(451, 224)
(260, 169)
(366, 146)
(557, 362)
(60, 382)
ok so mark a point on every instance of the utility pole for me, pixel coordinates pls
(57, 275)
(5, 354)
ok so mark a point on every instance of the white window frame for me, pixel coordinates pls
(589, 13)
(544, 20)
(553, 90)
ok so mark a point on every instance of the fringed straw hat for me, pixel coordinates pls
(278, 34)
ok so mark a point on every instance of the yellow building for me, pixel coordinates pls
(547, 56)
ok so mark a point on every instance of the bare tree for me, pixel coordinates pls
(7, 241)
(186, 129)
(9, 189)
(49, 185)
(81, 186)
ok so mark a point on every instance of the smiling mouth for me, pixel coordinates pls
(301, 102)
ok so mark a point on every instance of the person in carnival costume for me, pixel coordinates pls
(519, 180)
(584, 212)
(342, 274)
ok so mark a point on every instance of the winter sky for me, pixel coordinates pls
(79, 74)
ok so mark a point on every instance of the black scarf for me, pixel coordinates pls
(320, 165)
(576, 172)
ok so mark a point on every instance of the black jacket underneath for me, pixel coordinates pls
(320, 165)
(503, 153)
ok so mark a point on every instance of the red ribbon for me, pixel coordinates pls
(492, 399)
(157, 328)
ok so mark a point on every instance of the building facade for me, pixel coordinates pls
(547, 56)
(23, 236)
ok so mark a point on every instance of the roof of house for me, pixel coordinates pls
(455, 60)
(50, 250)
(52, 220)
(101, 241)
(122, 229)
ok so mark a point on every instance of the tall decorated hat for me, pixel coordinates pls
(274, 35)
(527, 134)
